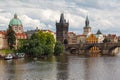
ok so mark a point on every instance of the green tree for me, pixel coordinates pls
(48, 50)
(41, 37)
(58, 50)
(11, 38)
(47, 42)
(23, 46)
(41, 43)
(50, 39)
(106, 40)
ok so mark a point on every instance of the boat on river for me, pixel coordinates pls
(8, 57)
(20, 55)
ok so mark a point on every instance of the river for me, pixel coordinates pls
(61, 68)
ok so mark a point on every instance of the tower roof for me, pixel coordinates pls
(87, 22)
(15, 21)
(62, 20)
(98, 32)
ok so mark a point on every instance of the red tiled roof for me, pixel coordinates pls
(2, 32)
(71, 33)
(112, 35)
(81, 35)
(21, 35)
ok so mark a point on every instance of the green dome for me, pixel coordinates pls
(15, 21)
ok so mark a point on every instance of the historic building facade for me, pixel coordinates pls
(82, 38)
(30, 32)
(62, 29)
(100, 36)
(72, 38)
(94, 51)
(112, 38)
(17, 26)
(3, 40)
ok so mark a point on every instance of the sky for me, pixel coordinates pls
(102, 14)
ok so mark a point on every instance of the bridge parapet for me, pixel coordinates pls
(87, 46)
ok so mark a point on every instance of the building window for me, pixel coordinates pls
(16, 29)
(19, 28)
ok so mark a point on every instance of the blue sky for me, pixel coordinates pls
(103, 14)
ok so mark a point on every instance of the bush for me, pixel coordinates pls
(58, 50)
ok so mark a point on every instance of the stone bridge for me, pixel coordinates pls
(84, 48)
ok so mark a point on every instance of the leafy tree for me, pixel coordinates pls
(58, 50)
(48, 50)
(41, 43)
(23, 46)
(41, 37)
(49, 39)
(11, 38)
(106, 40)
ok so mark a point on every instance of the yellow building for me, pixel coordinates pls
(93, 51)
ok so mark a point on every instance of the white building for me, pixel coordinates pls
(100, 36)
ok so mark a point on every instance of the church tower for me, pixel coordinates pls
(87, 28)
(62, 29)
(16, 24)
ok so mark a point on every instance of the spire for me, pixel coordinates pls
(98, 32)
(62, 20)
(15, 15)
(87, 22)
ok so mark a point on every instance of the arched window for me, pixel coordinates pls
(65, 41)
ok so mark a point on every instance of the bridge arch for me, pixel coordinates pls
(113, 50)
(72, 49)
(94, 51)
(90, 46)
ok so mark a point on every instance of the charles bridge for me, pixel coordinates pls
(83, 48)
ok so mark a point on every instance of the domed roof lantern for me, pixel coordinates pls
(15, 15)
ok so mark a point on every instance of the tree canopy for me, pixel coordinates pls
(11, 38)
(106, 40)
(41, 43)
(58, 50)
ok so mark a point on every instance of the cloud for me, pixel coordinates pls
(102, 14)
(29, 22)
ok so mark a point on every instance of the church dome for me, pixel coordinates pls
(15, 21)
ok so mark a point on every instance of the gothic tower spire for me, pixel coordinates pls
(87, 22)
(62, 20)
(87, 28)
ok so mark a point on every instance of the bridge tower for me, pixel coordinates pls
(62, 30)
(87, 28)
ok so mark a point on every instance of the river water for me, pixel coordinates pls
(61, 68)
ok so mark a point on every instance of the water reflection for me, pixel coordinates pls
(61, 68)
